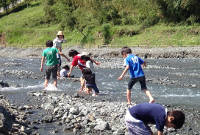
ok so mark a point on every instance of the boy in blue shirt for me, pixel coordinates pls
(139, 116)
(134, 64)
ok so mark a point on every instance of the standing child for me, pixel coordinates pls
(134, 65)
(89, 77)
(57, 43)
(138, 116)
(49, 54)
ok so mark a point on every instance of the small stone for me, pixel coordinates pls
(74, 110)
(102, 126)
(47, 119)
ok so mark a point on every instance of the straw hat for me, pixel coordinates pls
(60, 33)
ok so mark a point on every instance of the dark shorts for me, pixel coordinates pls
(142, 81)
(93, 86)
(51, 70)
(59, 60)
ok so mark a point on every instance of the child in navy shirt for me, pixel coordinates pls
(139, 116)
(134, 64)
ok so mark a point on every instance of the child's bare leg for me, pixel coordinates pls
(55, 83)
(148, 93)
(88, 90)
(46, 83)
(82, 84)
(128, 94)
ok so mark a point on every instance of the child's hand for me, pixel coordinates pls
(97, 63)
(41, 69)
(120, 78)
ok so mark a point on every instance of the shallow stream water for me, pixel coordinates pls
(171, 81)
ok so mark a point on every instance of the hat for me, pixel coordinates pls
(84, 53)
(60, 33)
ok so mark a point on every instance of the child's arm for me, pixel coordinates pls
(160, 133)
(70, 71)
(96, 62)
(42, 62)
(144, 64)
(62, 54)
(123, 73)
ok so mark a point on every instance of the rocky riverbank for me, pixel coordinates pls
(167, 52)
(78, 114)
(13, 120)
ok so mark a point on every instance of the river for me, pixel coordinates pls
(171, 81)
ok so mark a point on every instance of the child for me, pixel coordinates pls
(89, 77)
(138, 116)
(78, 61)
(133, 64)
(89, 62)
(49, 54)
(57, 43)
(63, 72)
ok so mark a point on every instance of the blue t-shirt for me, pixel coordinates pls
(150, 113)
(135, 68)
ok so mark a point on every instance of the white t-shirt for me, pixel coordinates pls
(63, 73)
(89, 64)
(57, 43)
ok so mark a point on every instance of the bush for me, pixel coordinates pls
(107, 34)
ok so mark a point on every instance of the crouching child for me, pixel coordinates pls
(89, 77)
(139, 116)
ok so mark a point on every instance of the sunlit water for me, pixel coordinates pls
(180, 76)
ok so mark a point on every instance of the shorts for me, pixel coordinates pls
(59, 60)
(51, 70)
(93, 86)
(142, 81)
(135, 126)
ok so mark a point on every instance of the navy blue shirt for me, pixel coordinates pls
(150, 113)
(134, 63)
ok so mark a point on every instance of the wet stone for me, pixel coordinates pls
(47, 119)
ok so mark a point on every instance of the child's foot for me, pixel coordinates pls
(94, 95)
(152, 101)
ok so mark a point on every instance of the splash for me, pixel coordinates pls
(51, 87)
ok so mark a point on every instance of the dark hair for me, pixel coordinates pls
(86, 71)
(49, 43)
(85, 58)
(66, 67)
(73, 53)
(126, 50)
(179, 118)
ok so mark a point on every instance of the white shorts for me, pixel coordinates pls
(135, 126)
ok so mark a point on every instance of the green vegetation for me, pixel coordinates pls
(104, 22)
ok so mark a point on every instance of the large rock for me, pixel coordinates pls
(3, 84)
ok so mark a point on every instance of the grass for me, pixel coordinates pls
(26, 28)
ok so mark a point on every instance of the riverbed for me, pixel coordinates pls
(173, 82)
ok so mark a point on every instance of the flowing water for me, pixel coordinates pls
(171, 81)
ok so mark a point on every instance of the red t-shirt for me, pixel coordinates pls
(78, 61)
